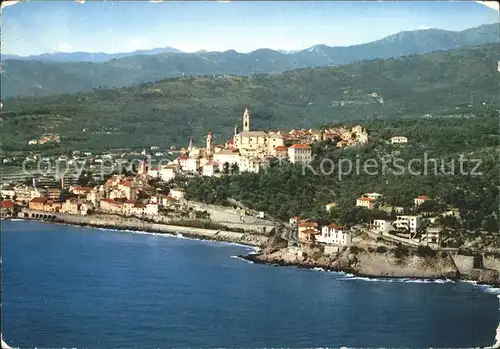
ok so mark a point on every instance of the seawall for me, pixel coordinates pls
(135, 224)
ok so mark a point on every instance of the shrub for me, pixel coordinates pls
(381, 249)
(400, 251)
(425, 251)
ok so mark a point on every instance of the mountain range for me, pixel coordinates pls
(35, 77)
(171, 111)
(95, 57)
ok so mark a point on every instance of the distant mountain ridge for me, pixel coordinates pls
(39, 78)
(94, 57)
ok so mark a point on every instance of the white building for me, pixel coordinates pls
(209, 168)
(151, 209)
(420, 200)
(176, 193)
(231, 156)
(368, 203)
(192, 164)
(335, 235)
(374, 196)
(168, 172)
(300, 154)
(250, 164)
(382, 226)
(154, 172)
(399, 140)
(411, 223)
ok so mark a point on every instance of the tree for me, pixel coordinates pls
(225, 168)
(235, 169)
(490, 224)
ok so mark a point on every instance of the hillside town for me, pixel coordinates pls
(144, 194)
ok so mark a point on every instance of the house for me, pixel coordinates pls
(210, 168)
(71, 206)
(281, 152)
(368, 203)
(37, 203)
(75, 206)
(329, 206)
(250, 164)
(53, 193)
(453, 212)
(111, 206)
(307, 231)
(308, 235)
(80, 190)
(159, 199)
(399, 140)
(300, 154)
(293, 221)
(8, 193)
(176, 193)
(168, 172)
(192, 164)
(334, 234)
(410, 223)
(229, 156)
(52, 206)
(7, 208)
(152, 209)
(154, 172)
(374, 196)
(419, 200)
(383, 226)
(128, 207)
(433, 237)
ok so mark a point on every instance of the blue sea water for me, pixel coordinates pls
(66, 286)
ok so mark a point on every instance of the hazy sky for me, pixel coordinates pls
(36, 27)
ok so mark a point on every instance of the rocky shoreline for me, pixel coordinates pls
(274, 251)
(254, 258)
(135, 225)
(371, 264)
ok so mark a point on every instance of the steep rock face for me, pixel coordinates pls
(361, 262)
(486, 276)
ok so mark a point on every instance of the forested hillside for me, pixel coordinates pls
(169, 112)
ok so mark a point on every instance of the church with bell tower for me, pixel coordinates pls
(255, 142)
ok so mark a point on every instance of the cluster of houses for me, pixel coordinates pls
(250, 151)
(408, 228)
(46, 138)
(309, 232)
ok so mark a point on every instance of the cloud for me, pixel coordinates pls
(491, 4)
(424, 27)
(6, 3)
(63, 47)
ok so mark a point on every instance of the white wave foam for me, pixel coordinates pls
(350, 277)
(496, 345)
(242, 259)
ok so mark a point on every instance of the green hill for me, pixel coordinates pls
(39, 76)
(171, 111)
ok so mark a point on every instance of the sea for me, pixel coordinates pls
(79, 287)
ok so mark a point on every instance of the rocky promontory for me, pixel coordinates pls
(377, 262)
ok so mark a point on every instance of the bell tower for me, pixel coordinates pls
(209, 142)
(246, 120)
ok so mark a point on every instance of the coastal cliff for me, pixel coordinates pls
(385, 262)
